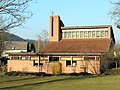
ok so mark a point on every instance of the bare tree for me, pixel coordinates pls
(117, 55)
(115, 13)
(13, 13)
(43, 39)
(3, 37)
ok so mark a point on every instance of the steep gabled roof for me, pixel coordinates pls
(78, 46)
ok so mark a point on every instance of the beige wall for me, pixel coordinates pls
(22, 66)
(92, 67)
(27, 66)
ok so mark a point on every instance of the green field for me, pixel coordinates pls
(108, 82)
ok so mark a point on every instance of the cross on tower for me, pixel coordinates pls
(52, 13)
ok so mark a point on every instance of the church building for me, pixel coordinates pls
(77, 48)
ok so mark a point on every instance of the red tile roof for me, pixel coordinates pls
(78, 46)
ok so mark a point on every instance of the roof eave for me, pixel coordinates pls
(85, 27)
(68, 54)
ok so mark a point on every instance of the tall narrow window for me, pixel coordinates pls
(89, 34)
(97, 33)
(106, 33)
(81, 34)
(52, 27)
(85, 34)
(77, 34)
(73, 34)
(102, 33)
(65, 34)
(93, 34)
(69, 34)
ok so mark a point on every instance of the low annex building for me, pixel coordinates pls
(14, 47)
(77, 49)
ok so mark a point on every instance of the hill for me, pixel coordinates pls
(13, 37)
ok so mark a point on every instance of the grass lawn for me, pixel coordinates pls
(60, 83)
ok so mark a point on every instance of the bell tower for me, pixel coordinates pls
(55, 28)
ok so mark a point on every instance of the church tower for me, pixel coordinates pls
(55, 28)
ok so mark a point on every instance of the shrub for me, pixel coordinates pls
(112, 71)
(80, 74)
(3, 69)
(14, 73)
(40, 74)
(56, 68)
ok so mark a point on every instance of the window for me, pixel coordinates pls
(68, 63)
(81, 34)
(93, 34)
(36, 63)
(71, 63)
(73, 34)
(77, 34)
(25, 58)
(15, 58)
(52, 59)
(106, 33)
(98, 34)
(13, 48)
(102, 33)
(69, 34)
(52, 27)
(74, 63)
(85, 34)
(65, 34)
(89, 34)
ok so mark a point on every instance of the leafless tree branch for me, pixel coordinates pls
(115, 12)
(14, 13)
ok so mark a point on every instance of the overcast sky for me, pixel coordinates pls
(72, 13)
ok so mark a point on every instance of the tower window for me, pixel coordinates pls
(52, 27)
